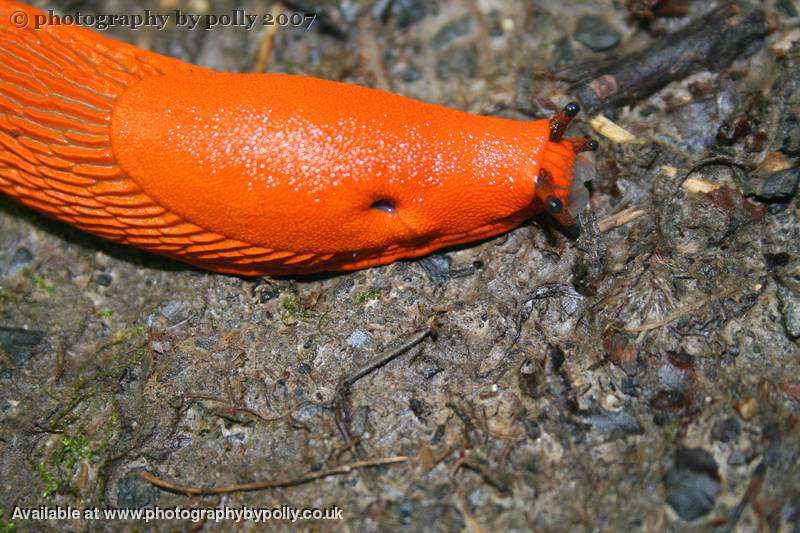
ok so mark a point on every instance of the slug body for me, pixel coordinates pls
(259, 174)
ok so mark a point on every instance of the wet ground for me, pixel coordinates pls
(645, 376)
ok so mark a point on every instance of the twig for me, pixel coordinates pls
(371, 57)
(429, 460)
(337, 454)
(484, 472)
(627, 215)
(472, 524)
(612, 131)
(232, 407)
(60, 361)
(385, 358)
(262, 63)
(699, 185)
(263, 485)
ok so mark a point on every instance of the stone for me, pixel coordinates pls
(596, 34)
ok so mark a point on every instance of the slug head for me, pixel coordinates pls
(561, 191)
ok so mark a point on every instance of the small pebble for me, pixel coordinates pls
(437, 268)
(737, 458)
(406, 510)
(419, 408)
(779, 186)
(133, 492)
(103, 279)
(562, 52)
(532, 429)
(746, 407)
(22, 258)
(265, 291)
(613, 424)
(19, 344)
(790, 308)
(307, 411)
(428, 367)
(596, 34)
(451, 31)
(175, 311)
(359, 339)
(459, 62)
(791, 142)
(408, 12)
(726, 430)
(409, 73)
(475, 497)
(693, 484)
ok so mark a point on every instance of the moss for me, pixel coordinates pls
(293, 308)
(670, 430)
(291, 304)
(6, 526)
(49, 478)
(118, 365)
(368, 295)
(13, 299)
(58, 466)
(109, 430)
(75, 449)
(291, 67)
(43, 284)
(128, 333)
(62, 419)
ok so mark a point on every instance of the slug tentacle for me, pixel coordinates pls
(561, 120)
(580, 145)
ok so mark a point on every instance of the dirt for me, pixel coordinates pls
(642, 377)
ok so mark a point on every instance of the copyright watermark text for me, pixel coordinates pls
(215, 514)
(237, 18)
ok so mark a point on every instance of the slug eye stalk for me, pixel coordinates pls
(559, 124)
(561, 121)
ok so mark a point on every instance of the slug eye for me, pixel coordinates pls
(383, 204)
(554, 205)
(572, 109)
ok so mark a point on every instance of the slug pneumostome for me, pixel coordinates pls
(256, 174)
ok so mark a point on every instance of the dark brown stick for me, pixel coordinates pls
(712, 43)
(384, 358)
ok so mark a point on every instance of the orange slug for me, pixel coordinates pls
(260, 174)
